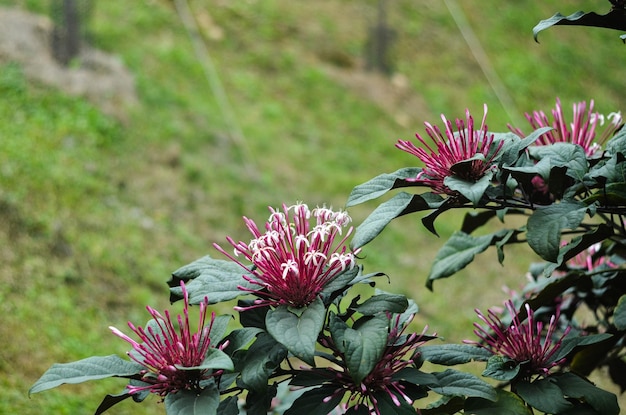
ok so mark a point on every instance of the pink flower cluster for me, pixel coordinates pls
(296, 256)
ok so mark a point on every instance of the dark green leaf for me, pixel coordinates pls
(456, 254)
(544, 395)
(228, 406)
(567, 155)
(416, 377)
(298, 333)
(363, 346)
(612, 20)
(392, 303)
(514, 147)
(219, 327)
(507, 403)
(91, 368)
(401, 204)
(576, 387)
(453, 354)
(388, 407)
(501, 368)
(455, 383)
(571, 342)
(259, 402)
(380, 185)
(261, 359)
(190, 402)
(110, 401)
(215, 359)
(313, 402)
(474, 220)
(238, 339)
(619, 316)
(218, 280)
(252, 317)
(473, 191)
(547, 222)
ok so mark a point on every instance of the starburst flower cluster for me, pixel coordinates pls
(582, 130)
(298, 254)
(452, 147)
(589, 260)
(530, 343)
(170, 355)
(400, 353)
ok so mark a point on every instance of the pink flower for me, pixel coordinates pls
(521, 341)
(168, 353)
(296, 256)
(588, 259)
(452, 148)
(400, 353)
(581, 131)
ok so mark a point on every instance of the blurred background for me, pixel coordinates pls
(133, 135)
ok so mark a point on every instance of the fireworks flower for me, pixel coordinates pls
(581, 131)
(452, 148)
(400, 353)
(170, 355)
(589, 260)
(296, 256)
(521, 341)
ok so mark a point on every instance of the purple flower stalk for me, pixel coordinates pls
(296, 256)
(167, 353)
(400, 353)
(581, 131)
(521, 341)
(451, 148)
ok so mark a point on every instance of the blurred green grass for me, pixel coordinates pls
(96, 212)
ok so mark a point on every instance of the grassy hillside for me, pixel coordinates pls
(96, 212)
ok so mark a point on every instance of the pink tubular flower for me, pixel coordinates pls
(587, 259)
(581, 131)
(452, 148)
(521, 341)
(170, 355)
(296, 257)
(400, 353)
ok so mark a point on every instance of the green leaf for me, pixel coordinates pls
(313, 402)
(259, 402)
(544, 395)
(380, 302)
(193, 402)
(219, 327)
(218, 280)
(215, 359)
(228, 406)
(506, 403)
(455, 383)
(547, 222)
(238, 339)
(388, 407)
(453, 354)
(473, 191)
(571, 342)
(261, 359)
(416, 377)
(619, 315)
(111, 400)
(401, 204)
(298, 333)
(456, 254)
(380, 185)
(362, 347)
(514, 147)
(574, 386)
(571, 156)
(91, 368)
(501, 368)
